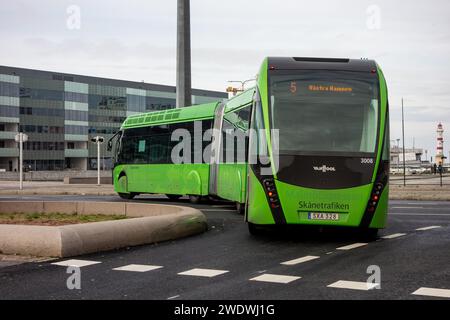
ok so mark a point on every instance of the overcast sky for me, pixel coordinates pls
(135, 40)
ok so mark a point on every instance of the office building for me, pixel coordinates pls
(61, 112)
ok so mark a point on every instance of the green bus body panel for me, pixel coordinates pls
(120, 184)
(180, 179)
(380, 216)
(263, 86)
(231, 181)
(258, 211)
(199, 112)
(383, 112)
(291, 196)
(355, 198)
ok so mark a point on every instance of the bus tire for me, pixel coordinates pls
(195, 199)
(173, 196)
(240, 207)
(253, 229)
(370, 234)
(127, 196)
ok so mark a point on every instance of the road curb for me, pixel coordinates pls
(151, 223)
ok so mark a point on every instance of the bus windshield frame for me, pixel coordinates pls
(318, 82)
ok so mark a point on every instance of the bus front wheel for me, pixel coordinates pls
(369, 234)
(127, 196)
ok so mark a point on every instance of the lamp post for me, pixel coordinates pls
(235, 90)
(398, 155)
(183, 76)
(98, 140)
(403, 135)
(21, 138)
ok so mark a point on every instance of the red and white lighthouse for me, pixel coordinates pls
(440, 144)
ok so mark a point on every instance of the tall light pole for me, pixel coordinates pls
(403, 135)
(183, 54)
(98, 140)
(21, 138)
(398, 155)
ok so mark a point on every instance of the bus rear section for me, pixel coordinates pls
(165, 152)
(330, 152)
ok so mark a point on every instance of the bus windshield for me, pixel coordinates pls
(323, 111)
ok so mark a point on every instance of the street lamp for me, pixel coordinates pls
(403, 139)
(235, 90)
(21, 138)
(98, 140)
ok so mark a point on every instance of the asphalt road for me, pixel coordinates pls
(409, 260)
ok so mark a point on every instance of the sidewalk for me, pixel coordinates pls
(419, 192)
(396, 192)
(54, 188)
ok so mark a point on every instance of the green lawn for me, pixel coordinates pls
(54, 219)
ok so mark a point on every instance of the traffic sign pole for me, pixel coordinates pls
(21, 161)
(21, 138)
(98, 162)
(98, 140)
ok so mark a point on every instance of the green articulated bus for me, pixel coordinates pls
(309, 144)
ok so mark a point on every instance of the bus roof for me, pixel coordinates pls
(296, 63)
(198, 112)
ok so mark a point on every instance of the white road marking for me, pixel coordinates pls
(262, 271)
(299, 260)
(394, 235)
(137, 268)
(432, 292)
(329, 252)
(354, 285)
(75, 263)
(425, 203)
(173, 297)
(427, 228)
(203, 272)
(427, 208)
(352, 246)
(275, 278)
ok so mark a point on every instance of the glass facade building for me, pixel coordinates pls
(61, 112)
